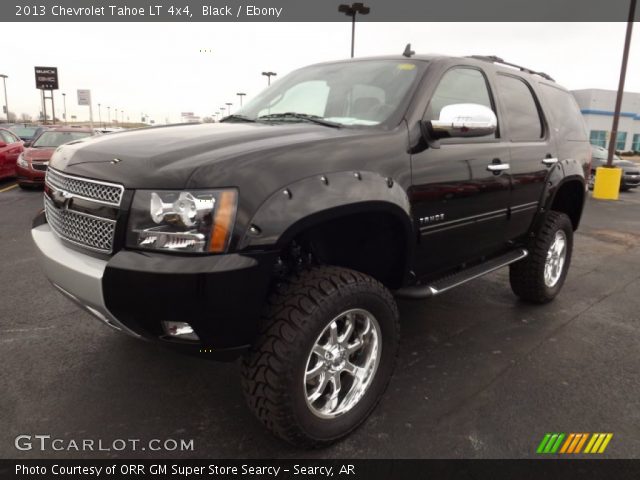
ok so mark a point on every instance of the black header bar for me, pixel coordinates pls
(312, 11)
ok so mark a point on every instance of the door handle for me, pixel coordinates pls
(498, 167)
(550, 160)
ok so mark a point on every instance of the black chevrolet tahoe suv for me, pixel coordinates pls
(284, 233)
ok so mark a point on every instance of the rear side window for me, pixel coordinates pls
(522, 115)
(565, 114)
(460, 85)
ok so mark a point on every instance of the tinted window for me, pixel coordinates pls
(55, 139)
(459, 85)
(566, 116)
(522, 116)
(26, 132)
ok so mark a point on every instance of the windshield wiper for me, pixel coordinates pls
(302, 116)
(242, 118)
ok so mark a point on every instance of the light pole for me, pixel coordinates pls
(351, 11)
(99, 116)
(228, 104)
(121, 116)
(240, 94)
(64, 102)
(269, 75)
(109, 114)
(222, 109)
(607, 181)
(623, 74)
(6, 102)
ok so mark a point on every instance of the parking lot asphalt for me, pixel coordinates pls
(480, 374)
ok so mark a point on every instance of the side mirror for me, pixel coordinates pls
(26, 144)
(463, 120)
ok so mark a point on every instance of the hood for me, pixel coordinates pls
(256, 158)
(38, 154)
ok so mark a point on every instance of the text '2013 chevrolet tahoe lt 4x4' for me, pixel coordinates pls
(284, 232)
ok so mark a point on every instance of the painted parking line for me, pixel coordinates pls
(6, 189)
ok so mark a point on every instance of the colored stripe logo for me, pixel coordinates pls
(567, 443)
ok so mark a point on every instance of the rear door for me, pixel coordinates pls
(459, 204)
(532, 149)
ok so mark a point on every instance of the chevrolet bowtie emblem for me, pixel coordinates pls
(61, 199)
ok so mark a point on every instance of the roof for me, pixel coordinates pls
(480, 60)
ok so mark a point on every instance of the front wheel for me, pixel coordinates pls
(539, 277)
(325, 355)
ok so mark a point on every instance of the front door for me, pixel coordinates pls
(458, 202)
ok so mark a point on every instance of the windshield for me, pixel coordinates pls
(25, 132)
(600, 153)
(359, 93)
(55, 139)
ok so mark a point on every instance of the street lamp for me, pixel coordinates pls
(351, 11)
(6, 102)
(240, 94)
(64, 102)
(222, 109)
(109, 114)
(228, 104)
(269, 75)
(99, 116)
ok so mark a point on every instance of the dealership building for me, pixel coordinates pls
(597, 108)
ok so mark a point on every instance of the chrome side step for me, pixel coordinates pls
(456, 279)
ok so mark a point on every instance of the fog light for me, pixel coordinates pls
(180, 330)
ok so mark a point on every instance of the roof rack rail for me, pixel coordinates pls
(495, 59)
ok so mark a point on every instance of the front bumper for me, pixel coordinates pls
(220, 296)
(30, 176)
(630, 181)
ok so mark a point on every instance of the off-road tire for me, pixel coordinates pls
(527, 276)
(296, 313)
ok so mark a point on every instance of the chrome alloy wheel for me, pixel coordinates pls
(556, 256)
(342, 363)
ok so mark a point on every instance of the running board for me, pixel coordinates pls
(456, 279)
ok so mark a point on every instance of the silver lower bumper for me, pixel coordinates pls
(76, 275)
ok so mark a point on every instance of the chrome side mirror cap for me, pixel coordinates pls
(464, 120)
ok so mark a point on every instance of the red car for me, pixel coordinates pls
(10, 149)
(32, 164)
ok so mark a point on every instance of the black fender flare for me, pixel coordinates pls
(571, 171)
(312, 200)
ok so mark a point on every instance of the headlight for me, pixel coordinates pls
(182, 221)
(22, 162)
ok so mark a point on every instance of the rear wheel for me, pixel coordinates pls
(325, 355)
(539, 277)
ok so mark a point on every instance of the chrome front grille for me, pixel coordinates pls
(101, 192)
(82, 228)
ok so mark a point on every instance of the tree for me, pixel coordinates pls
(25, 117)
(208, 120)
(12, 117)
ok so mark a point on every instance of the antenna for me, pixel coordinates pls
(407, 51)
